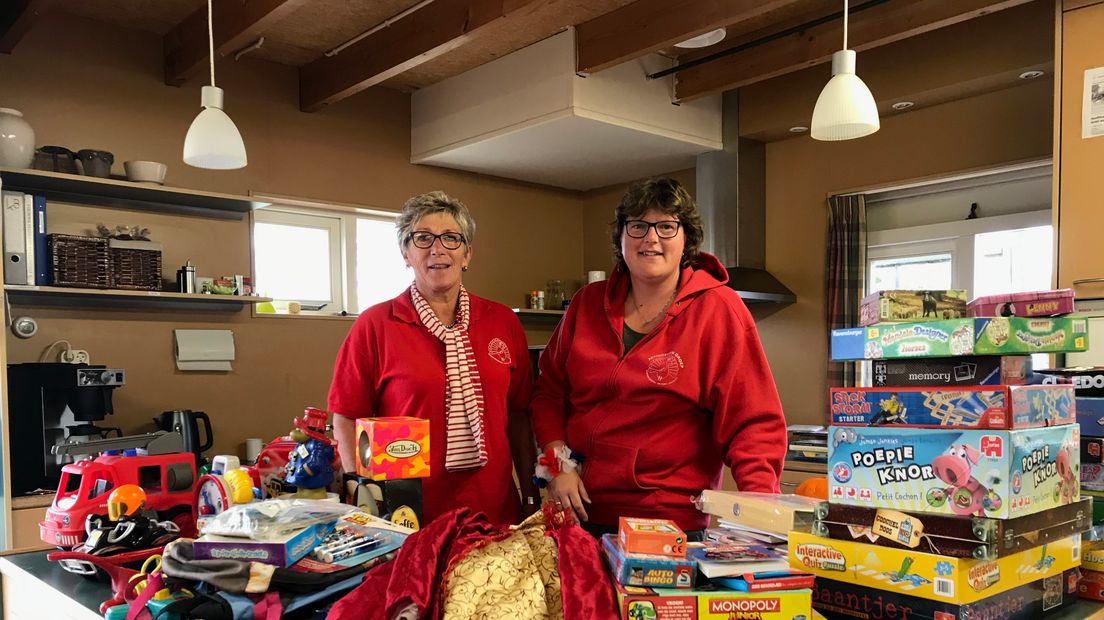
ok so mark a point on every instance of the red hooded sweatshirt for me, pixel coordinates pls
(657, 425)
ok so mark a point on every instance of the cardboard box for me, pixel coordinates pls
(912, 306)
(1090, 415)
(1092, 450)
(1092, 555)
(1021, 406)
(667, 604)
(763, 511)
(973, 336)
(1092, 477)
(282, 551)
(1036, 303)
(986, 473)
(640, 569)
(951, 371)
(651, 536)
(1026, 602)
(1087, 381)
(392, 448)
(926, 575)
(1091, 586)
(398, 501)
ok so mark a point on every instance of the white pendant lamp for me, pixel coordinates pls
(845, 109)
(213, 141)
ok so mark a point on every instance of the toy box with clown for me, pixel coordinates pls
(927, 575)
(1020, 406)
(984, 473)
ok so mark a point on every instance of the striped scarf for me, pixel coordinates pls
(465, 446)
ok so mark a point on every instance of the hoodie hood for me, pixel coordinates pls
(706, 274)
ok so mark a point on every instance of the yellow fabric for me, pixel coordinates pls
(515, 578)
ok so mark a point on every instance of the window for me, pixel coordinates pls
(328, 261)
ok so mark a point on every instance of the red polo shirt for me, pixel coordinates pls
(390, 365)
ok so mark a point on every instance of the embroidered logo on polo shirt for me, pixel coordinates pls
(664, 368)
(498, 351)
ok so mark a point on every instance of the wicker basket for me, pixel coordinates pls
(78, 261)
(135, 265)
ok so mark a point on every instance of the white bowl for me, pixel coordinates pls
(145, 171)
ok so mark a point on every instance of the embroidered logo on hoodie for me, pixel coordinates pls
(664, 368)
(498, 351)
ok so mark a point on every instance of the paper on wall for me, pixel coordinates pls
(1092, 110)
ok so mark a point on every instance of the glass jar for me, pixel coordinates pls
(554, 295)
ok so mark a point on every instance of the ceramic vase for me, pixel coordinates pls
(17, 140)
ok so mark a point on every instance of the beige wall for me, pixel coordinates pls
(83, 84)
(1000, 127)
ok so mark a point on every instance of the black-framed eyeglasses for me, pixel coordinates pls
(638, 229)
(424, 240)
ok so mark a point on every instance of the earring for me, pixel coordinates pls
(464, 268)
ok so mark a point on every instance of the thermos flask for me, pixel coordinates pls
(186, 278)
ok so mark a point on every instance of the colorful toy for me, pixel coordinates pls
(1022, 406)
(392, 448)
(984, 473)
(310, 463)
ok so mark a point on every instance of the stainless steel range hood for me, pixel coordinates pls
(731, 193)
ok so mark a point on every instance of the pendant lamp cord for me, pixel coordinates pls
(845, 36)
(211, 37)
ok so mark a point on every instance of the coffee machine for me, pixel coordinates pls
(51, 404)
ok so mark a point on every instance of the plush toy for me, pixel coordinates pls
(310, 463)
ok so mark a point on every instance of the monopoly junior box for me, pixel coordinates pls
(898, 306)
(1021, 406)
(985, 473)
(1026, 602)
(392, 448)
(926, 575)
(971, 336)
(951, 371)
(666, 604)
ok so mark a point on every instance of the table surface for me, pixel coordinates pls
(90, 593)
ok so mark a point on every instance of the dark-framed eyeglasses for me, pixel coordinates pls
(424, 240)
(638, 229)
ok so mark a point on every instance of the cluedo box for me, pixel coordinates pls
(926, 575)
(1020, 406)
(667, 604)
(984, 473)
(971, 336)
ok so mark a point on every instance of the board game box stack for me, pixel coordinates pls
(740, 570)
(954, 483)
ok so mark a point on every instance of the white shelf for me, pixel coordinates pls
(540, 313)
(116, 298)
(118, 194)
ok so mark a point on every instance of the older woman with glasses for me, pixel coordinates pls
(438, 352)
(655, 379)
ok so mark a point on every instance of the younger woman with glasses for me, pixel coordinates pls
(655, 379)
(438, 352)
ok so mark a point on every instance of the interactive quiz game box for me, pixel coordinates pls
(984, 473)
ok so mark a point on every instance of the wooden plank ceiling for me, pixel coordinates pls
(415, 43)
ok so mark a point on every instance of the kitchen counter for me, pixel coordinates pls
(35, 588)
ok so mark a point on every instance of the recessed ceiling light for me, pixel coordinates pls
(1031, 75)
(903, 105)
(703, 40)
(799, 129)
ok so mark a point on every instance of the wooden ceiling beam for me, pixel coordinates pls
(16, 19)
(236, 25)
(880, 25)
(433, 30)
(647, 26)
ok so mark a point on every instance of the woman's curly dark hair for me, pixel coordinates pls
(670, 197)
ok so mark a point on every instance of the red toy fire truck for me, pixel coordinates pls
(166, 473)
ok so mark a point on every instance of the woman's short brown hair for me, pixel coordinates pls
(666, 195)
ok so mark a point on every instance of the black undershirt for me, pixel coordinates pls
(630, 337)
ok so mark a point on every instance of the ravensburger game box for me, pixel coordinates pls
(974, 336)
(1026, 602)
(952, 371)
(926, 575)
(986, 473)
(1018, 406)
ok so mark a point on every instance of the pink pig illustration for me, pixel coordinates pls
(1068, 481)
(955, 467)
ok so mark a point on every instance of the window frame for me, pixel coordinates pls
(341, 220)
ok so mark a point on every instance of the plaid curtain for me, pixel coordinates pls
(845, 274)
